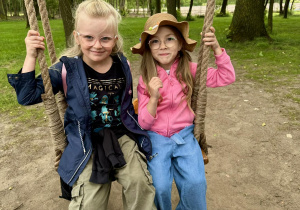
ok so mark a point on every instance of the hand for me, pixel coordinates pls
(154, 85)
(33, 42)
(211, 40)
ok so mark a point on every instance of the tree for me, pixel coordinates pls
(267, 1)
(188, 16)
(171, 7)
(270, 16)
(292, 5)
(158, 6)
(65, 7)
(25, 14)
(151, 7)
(16, 5)
(122, 7)
(223, 8)
(2, 12)
(280, 7)
(248, 21)
(178, 5)
(286, 8)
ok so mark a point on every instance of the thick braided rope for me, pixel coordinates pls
(60, 97)
(199, 97)
(47, 29)
(55, 124)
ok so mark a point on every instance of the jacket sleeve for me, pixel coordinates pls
(223, 75)
(30, 88)
(146, 120)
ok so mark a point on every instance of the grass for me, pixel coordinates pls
(275, 65)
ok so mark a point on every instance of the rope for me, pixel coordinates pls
(199, 96)
(55, 123)
(60, 97)
(47, 30)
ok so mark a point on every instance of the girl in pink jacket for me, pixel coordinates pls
(164, 109)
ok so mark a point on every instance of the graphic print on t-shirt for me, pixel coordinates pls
(105, 96)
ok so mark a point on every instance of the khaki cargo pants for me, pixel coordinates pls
(138, 191)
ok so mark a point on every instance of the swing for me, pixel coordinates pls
(55, 106)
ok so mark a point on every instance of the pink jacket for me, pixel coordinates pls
(172, 113)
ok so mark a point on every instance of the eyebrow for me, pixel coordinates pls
(153, 36)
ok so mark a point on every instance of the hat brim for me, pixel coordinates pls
(183, 28)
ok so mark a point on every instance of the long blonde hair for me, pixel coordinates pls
(183, 72)
(97, 9)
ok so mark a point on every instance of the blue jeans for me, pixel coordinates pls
(178, 157)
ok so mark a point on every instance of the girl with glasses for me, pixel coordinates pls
(100, 124)
(164, 107)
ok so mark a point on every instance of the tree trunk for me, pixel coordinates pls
(280, 7)
(171, 7)
(137, 7)
(25, 15)
(2, 12)
(248, 21)
(158, 6)
(266, 4)
(122, 7)
(270, 16)
(223, 8)
(286, 8)
(65, 7)
(188, 17)
(292, 5)
(16, 8)
(151, 7)
(178, 4)
(5, 7)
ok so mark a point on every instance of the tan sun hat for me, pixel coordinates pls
(164, 19)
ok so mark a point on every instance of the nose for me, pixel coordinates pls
(163, 45)
(98, 44)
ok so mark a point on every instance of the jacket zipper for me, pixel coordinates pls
(134, 120)
(137, 125)
(80, 136)
(79, 166)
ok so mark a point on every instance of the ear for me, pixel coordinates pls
(76, 37)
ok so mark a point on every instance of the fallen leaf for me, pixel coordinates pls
(264, 124)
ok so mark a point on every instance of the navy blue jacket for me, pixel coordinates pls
(77, 121)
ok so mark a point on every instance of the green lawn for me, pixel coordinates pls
(273, 64)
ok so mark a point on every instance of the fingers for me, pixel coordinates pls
(34, 40)
(154, 85)
(156, 82)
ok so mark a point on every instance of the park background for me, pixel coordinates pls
(252, 126)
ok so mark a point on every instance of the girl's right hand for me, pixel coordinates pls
(33, 42)
(154, 85)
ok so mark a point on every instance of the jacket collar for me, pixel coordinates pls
(161, 71)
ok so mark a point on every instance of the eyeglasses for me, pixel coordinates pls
(105, 41)
(156, 43)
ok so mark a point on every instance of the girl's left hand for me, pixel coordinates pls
(211, 40)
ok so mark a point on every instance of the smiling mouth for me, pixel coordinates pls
(98, 52)
(164, 54)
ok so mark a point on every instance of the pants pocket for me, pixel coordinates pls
(143, 161)
(77, 197)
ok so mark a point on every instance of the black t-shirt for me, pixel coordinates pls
(105, 95)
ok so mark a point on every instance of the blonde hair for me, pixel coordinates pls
(183, 72)
(96, 9)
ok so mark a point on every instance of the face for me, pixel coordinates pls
(96, 44)
(164, 46)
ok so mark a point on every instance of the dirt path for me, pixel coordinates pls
(251, 166)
